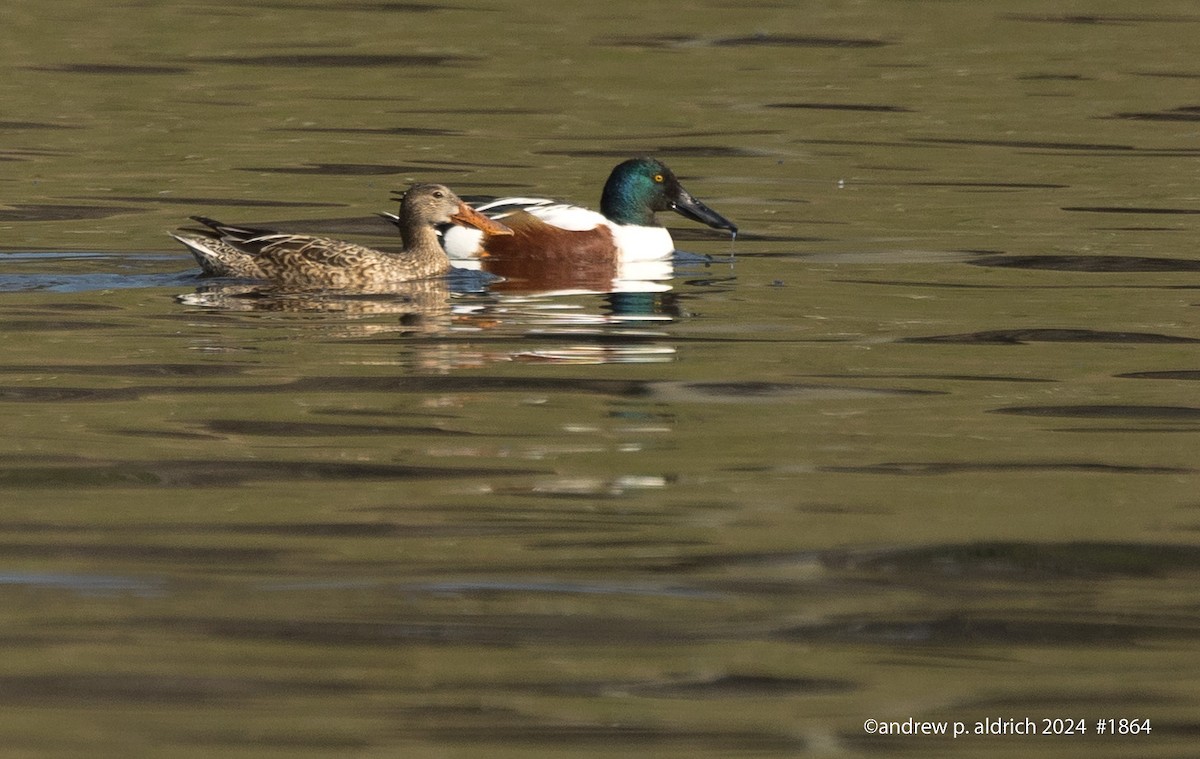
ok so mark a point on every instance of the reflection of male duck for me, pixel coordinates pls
(555, 246)
(304, 261)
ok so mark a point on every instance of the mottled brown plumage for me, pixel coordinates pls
(304, 261)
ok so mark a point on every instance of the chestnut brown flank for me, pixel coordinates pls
(541, 256)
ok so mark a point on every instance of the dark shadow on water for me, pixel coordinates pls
(1168, 74)
(336, 60)
(937, 284)
(696, 392)
(407, 131)
(865, 107)
(20, 125)
(111, 69)
(968, 629)
(223, 473)
(1132, 210)
(469, 111)
(82, 690)
(340, 7)
(1101, 19)
(128, 370)
(1019, 561)
(461, 383)
(1166, 413)
(668, 151)
(866, 143)
(756, 40)
(792, 40)
(1054, 78)
(1184, 113)
(1048, 335)
(937, 468)
(343, 530)
(945, 377)
(1169, 374)
(319, 429)
(49, 212)
(1117, 264)
(958, 571)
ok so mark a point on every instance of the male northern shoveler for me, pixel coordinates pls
(625, 228)
(304, 261)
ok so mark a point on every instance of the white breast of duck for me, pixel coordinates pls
(634, 243)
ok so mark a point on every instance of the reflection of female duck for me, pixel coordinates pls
(420, 304)
(303, 261)
(558, 246)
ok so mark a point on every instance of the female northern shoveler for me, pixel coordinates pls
(303, 261)
(625, 228)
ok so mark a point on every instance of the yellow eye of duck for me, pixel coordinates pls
(658, 178)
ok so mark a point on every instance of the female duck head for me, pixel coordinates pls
(434, 205)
